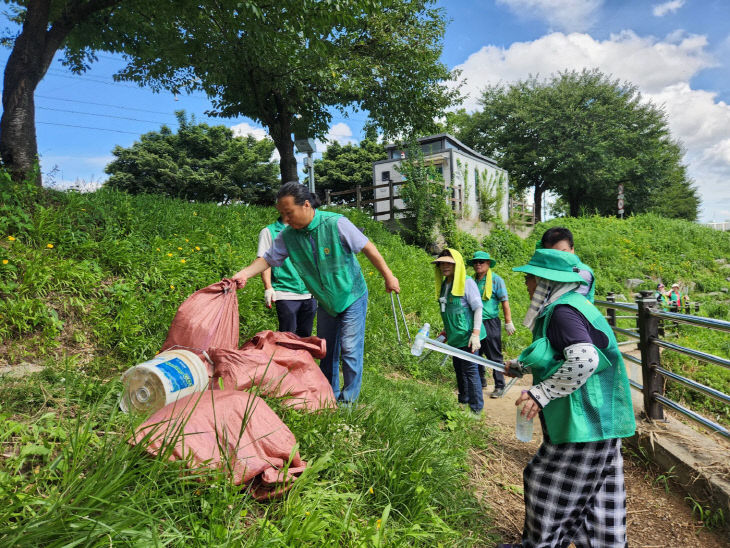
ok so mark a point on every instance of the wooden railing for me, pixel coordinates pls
(457, 202)
(521, 213)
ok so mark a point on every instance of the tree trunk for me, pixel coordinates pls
(537, 198)
(281, 133)
(574, 206)
(28, 63)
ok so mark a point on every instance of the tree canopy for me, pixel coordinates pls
(343, 167)
(199, 162)
(295, 63)
(580, 135)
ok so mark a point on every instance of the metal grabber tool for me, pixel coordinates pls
(423, 342)
(403, 317)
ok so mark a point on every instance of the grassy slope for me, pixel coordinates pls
(101, 300)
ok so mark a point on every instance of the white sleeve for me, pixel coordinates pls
(581, 361)
(477, 318)
(265, 242)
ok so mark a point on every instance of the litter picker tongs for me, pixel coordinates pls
(403, 316)
(443, 348)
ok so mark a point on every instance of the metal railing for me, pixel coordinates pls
(649, 319)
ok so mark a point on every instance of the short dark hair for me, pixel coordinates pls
(299, 192)
(554, 235)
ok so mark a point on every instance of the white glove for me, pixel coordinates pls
(509, 327)
(270, 296)
(474, 342)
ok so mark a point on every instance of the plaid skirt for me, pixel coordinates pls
(574, 492)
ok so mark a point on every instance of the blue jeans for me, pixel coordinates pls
(345, 336)
(468, 383)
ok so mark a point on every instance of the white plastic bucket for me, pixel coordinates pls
(169, 376)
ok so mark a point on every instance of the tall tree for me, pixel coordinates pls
(46, 27)
(298, 61)
(199, 162)
(580, 135)
(343, 167)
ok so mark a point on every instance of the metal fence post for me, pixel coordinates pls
(358, 196)
(611, 298)
(327, 197)
(650, 357)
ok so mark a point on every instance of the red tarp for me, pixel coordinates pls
(227, 429)
(280, 364)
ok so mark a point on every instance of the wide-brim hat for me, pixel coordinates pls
(444, 259)
(551, 264)
(675, 285)
(481, 256)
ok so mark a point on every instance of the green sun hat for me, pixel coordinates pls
(481, 256)
(551, 264)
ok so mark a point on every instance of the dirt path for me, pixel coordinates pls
(655, 518)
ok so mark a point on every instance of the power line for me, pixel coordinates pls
(105, 105)
(87, 127)
(100, 115)
(59, 74)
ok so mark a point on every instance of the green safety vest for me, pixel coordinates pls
(458, 320)
(285, 277)
(592, 289)
(601, 408)
(333, 276)
(491, 307)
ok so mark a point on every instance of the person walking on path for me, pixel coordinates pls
(322, 246)
(493, 291)
(574, 485)
(661, 295)
(295, 306)
(561, 238)
(461, 311)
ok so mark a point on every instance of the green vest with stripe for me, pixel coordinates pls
(458, 319)
(491, 307)
(601, 408)
(333, 274)
(285, 277)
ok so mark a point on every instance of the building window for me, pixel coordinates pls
(385, 176)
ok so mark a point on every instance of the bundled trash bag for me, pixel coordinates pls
(278, 364)
(227, 430)
(207, 319)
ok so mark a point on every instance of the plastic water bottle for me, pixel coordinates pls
(523, 427)
(421, 336)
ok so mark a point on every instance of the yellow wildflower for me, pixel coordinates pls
(158, 249)
(197, 248)
(11, 238)
(195, 213)
(378, 523)
(172, 287)
(182, 260)
(187, 240)
(83, 209)
(370, 490)
(49, 246)
(5, 261)
(306, 513)
(169, 254)
(179, 248)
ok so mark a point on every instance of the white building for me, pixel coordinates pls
(466, 172)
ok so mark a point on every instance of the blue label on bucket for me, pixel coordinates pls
(177, 372)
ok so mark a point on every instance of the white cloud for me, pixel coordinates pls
(342, 133)
(660, 10)
(244, 129)
(568, 15)
(661, 68)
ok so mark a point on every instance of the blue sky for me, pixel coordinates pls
(675, 51)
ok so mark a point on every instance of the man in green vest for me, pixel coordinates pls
(574, 485)
(322, 246)
(494, 293)
(561, 238)
(295, 306)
